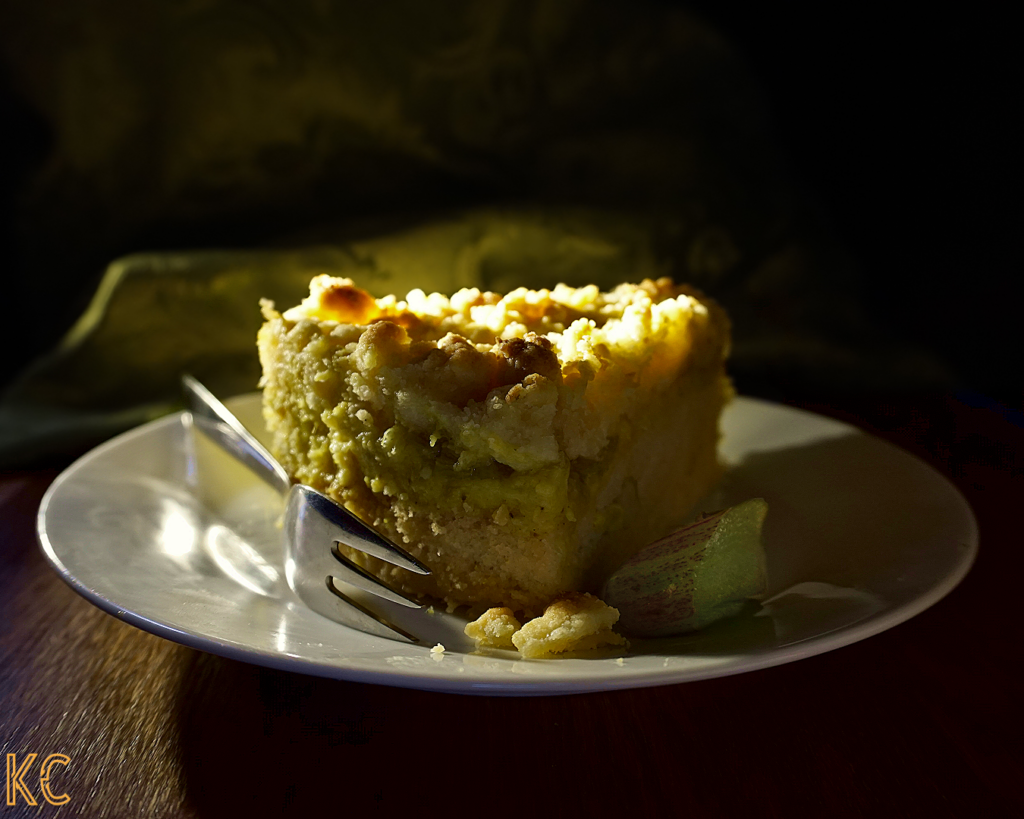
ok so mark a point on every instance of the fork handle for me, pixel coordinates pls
(220, 424)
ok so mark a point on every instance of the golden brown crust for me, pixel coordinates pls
(344, 302)
(524, 356)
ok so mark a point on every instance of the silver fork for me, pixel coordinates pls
(314, 526)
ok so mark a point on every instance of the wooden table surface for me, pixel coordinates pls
(922, 720)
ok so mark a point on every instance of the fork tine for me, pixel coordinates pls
(338, 606)
(356, 575)
(352, 532)
(314, 564)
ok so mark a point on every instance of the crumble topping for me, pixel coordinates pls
(506, 377)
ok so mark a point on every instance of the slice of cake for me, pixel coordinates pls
(520, 446)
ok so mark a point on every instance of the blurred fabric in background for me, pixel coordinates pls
(406, 144)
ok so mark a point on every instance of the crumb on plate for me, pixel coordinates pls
(494, 628)
(572, 622)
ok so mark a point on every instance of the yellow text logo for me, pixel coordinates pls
(16, 773)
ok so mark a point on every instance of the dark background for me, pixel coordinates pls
(896, 125)
(897, 121)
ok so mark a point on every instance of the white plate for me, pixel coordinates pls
(860, 536)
